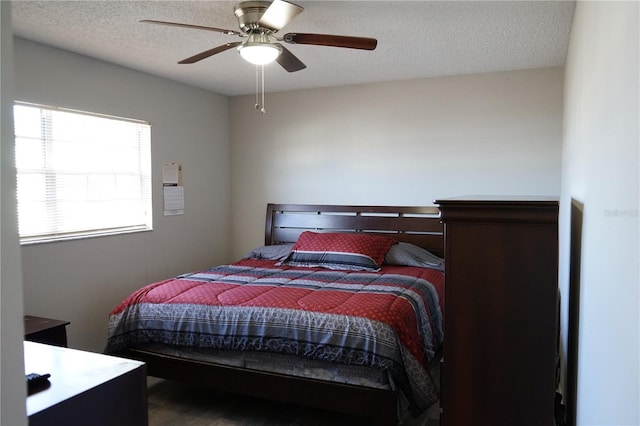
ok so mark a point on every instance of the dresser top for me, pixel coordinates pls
(504, 209)
(73, 372)
(499, 199)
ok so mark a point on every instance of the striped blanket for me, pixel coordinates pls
(390, 320)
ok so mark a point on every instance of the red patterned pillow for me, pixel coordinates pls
(336, 250)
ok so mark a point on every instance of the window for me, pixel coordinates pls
(80, 174)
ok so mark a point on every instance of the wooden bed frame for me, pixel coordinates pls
(284, 223)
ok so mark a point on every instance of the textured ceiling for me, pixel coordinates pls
(416, 39)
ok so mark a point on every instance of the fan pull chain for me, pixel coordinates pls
(262, 110)
(259, 86)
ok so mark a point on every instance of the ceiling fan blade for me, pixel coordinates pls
(210, 52)
(364, 43)
(279, 14)
(197, 27)
(289, 61)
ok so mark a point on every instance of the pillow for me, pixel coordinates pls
(339, 250)
(406, 254)
(275, 252)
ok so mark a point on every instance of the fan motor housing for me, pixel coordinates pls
(249, 13)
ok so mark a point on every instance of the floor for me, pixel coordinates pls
(172, 403)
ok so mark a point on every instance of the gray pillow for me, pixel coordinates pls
(406, 254)
(275, 252)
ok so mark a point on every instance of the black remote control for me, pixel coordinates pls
(36, 381)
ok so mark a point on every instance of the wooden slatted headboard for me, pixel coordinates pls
(416, 225)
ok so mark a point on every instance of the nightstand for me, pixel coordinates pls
(45, 330)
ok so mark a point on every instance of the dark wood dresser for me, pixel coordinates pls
(85, 388)
(501, 311)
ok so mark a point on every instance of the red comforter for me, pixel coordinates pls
(389, 320)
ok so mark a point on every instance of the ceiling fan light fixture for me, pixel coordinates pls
(259, 50)
(259, 53)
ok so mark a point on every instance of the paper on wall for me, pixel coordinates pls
(172, 188)
(173, 200)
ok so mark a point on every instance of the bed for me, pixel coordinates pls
(373, 363)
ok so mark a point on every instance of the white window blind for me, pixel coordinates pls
(80, 174)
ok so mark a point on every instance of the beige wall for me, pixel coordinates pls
(601, 162)
(81, 281)
(405, 142)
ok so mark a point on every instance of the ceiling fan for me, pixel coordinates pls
(259, 22)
